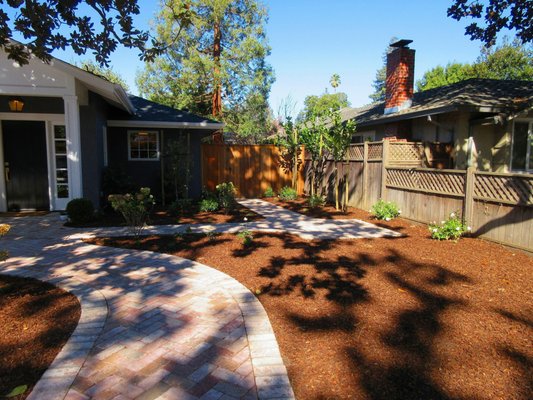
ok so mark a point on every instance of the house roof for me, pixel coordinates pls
(149, 114)
(482, 95)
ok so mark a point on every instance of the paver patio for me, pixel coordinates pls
(156, 326)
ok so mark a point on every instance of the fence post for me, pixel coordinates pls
(384, 162)
(364, 202)
(469, 196)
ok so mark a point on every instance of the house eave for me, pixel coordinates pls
(165, 124)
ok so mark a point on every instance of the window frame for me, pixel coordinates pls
(364, 135)
(137, 131)
(527, 168)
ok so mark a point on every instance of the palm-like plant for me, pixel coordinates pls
(335, 81)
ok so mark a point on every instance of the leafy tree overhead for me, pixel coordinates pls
(106, 73)
(507, 61)
(217, 66)
(57, 24)
(496, 15)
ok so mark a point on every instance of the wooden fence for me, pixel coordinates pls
(252, 169)
(498, 207)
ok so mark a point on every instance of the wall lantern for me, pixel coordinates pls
(16, 105)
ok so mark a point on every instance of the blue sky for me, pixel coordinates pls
(313, 39)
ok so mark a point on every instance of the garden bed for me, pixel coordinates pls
(36, 321)
(161, 216)
(399, 318)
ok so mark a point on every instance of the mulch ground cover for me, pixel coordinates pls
(160, 216)
(403, 318)
(36, 320)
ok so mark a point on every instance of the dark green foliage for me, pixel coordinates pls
(269, 192)
(247, 237)
(115, 180)
(208, 205)
(80, 211)
(287, 193)
(180, 206)
(226, 196)
(316, 201)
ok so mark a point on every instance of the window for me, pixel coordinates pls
(522, 151)
(361, 137)
(143, 145)
(60, 150)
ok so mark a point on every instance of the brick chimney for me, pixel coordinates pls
(399, 84)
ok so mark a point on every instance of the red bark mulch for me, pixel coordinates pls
(404, 318)
(37, 319)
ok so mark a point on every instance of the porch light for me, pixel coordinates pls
(16, 105)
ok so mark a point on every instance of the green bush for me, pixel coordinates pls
(316, 201)
(246, 236)
(135, 208)
(180, 206)
(226, 196)
(386, 210)
(80, 211)
(287, 193)
(208, 205)
(269, 192)
(452, 228)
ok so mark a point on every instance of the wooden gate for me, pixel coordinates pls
(251, 168)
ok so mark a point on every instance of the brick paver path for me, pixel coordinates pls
(153, 326)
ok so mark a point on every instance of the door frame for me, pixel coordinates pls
(49, 121)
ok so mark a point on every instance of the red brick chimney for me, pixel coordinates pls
(399, 84)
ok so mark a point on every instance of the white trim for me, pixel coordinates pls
(529, 139)
(165, 124)
(72, 124)
(7, 116)
(143, 159)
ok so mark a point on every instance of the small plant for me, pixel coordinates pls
(287, 193)
(269, 192)
(208, 205)
(246, 236)
(180, 206)
(386, 210)
(4, 229)
(316, 201)
(212, 235)
(226, 196)
(135, 208)
(452, 228)
(80, 211)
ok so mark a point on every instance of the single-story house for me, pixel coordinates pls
(488, 122)
(61, 126)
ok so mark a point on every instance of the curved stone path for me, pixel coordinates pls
(155, 326)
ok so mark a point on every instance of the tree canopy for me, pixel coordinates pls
(217, 65)
(106, 73)
(316, 106)
(507, 61)
(57, 24)
(494, 15)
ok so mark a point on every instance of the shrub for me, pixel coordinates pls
(135, 208)
(269, 192)
(246, 236)
(208, 205)
(452, 228)
(386, 210)
(80, 211)
(4, 229)
(288, 193)
(316, 201)
(180, 206)
(226, 196)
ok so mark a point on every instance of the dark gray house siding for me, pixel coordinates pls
(93, 120)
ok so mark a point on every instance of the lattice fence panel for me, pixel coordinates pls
(375, 151)
(410, 154)
(434, 181)
(509, 189)
(356, 152)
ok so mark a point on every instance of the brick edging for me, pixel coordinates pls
(56, 381)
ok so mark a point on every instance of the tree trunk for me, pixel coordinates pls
(217, 84)
(337, 207)
(346, 191)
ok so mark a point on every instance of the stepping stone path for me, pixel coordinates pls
(155, 326)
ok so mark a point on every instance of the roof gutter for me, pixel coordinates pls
(404, 116)
(124, 98)
(165, 124)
